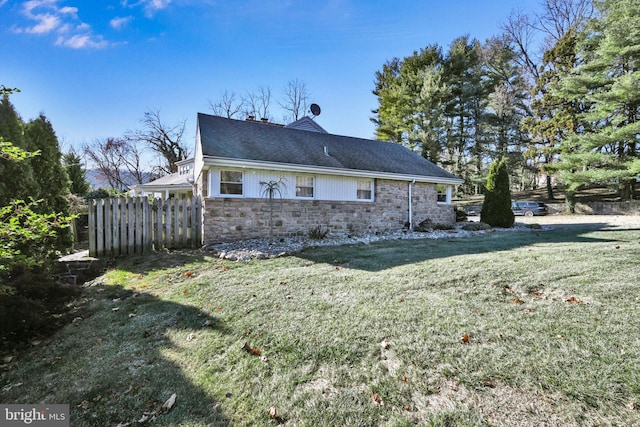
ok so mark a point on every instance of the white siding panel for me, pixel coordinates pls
(336, 188)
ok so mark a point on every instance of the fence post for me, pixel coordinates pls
(92, 228)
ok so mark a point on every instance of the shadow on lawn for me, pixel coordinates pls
(116, 365)
(388, 254)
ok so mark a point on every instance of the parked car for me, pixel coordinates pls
(528, 208)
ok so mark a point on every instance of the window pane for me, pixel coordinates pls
(227, 188)
(230, 182)
(231, 176)
(304, 186)
(364, 189)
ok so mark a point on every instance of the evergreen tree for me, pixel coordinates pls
(50, 175)
(78, 183)
(554, 119)
(496, 208)
(17, 181)
(606, 148)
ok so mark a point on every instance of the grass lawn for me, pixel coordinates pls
(537, 328)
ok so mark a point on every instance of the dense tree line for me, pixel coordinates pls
(34, 222)
(569, 112)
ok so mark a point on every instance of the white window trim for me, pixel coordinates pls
(448, 195)
(220, 182)
(371, 189)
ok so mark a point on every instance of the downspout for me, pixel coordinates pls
(411, 205)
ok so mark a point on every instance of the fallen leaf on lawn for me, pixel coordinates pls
(283, 282)
(184, 291)
(208, 322)
(84, 404)
(573, 300)
(517, 301)
(116, 300)
(465, 338)
(169, 403)
(273, 412)
(143, 419)
(115, 309)
(337, 268)
(187, 274)
(264, 359)
(132, 315)
(246, 347)
(401, 300)
(617, 247)
(385, 345)
(143, 286)
(405, 379)
(190, 337)
(377, 400)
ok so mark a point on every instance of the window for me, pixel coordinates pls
(231, 182)
(304, 186)
(444, 194)
(364, 189)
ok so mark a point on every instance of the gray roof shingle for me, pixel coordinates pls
(242, 140)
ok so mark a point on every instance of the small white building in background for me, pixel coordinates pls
(177, 185)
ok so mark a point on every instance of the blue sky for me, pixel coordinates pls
(95, 67)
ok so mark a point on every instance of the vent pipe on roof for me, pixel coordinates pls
(326, 151)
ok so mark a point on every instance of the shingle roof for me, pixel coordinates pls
(242, 140)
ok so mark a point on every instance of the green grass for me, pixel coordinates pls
(357, 335)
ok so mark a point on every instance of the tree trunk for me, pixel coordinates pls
(549, 188)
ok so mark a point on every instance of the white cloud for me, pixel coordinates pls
(45, 24)
(3, 2)
(150, 6)
(47, 17)
(82, 41)
(120, 23)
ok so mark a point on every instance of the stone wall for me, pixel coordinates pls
(228, 219)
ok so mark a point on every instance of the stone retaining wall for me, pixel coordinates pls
(630, 207)
(228, 219)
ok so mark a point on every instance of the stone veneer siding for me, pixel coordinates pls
(229, 219)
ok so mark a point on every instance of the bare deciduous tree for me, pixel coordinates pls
(257, 103)
(556, 19)
(117, 160)
(228, 106)
(295, 100)
(164, 140)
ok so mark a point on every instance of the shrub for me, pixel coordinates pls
(476, 226)
(439, 226)
(496, 209)
(318, 233)
(461, 215)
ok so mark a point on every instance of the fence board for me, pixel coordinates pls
(123, 226)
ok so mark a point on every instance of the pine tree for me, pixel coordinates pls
(17, 181)
(606, 148)
(50, 176)
(78, 183)
(496, 208)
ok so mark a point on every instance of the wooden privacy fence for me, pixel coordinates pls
(134, 225)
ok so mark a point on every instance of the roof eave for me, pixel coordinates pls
(288, 167)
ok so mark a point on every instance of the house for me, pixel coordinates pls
(260, 180)
(176, 185)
